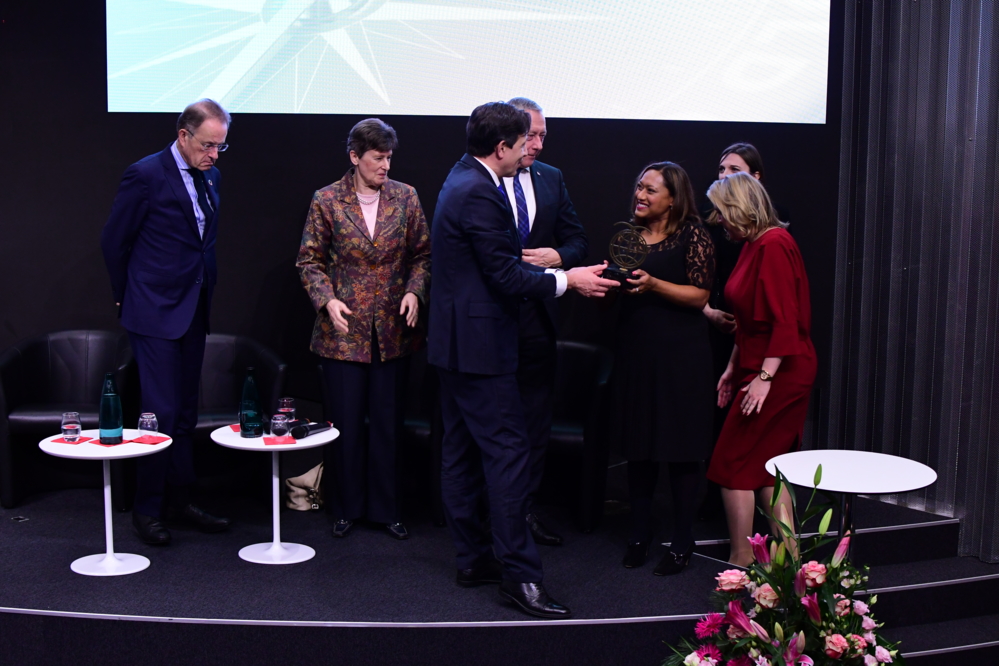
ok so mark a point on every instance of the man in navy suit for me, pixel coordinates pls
(159, 248)
(552, 237)
(478, 283)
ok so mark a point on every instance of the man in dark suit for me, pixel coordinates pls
(552, 237)
(159, 248)
(478, 283)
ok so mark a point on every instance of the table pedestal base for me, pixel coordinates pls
(277, 553)
(109, 564)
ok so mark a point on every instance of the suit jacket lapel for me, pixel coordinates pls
(351, 206)
(505, 200)
(386, 203)
(172, 175)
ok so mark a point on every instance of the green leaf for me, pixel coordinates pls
(824, 523)
(818, 476)
(778, 484)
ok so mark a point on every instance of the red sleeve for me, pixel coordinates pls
(776, 299)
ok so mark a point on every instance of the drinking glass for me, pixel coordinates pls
(286, 406)
(279, 425)
(71, 426)
(148, 422)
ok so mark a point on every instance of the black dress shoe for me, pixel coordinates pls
(341, 528)
(542, 535)
(533, 600)
(489, 573)
(635, 556)
(673, 563)
(398, 531)
(150, 530)
(194, 515)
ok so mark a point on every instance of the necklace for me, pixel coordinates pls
(368, 202)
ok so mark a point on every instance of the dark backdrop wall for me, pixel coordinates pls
(63, 154)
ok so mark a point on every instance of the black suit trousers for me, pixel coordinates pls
(169, 377)
(536, 383)
(365, 471)
(486, 454)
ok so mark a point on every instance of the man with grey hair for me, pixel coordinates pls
(552, 237)
(159, 248)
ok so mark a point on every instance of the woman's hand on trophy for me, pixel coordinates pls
(410, 309)
(642, 283)
(545, 257)
(720, 319)
(337, 310)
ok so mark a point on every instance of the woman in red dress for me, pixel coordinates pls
(773, 363)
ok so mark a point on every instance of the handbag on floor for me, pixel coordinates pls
(304, 491)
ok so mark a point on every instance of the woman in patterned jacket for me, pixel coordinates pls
(365, 262)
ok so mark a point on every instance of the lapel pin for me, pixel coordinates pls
(210, 182)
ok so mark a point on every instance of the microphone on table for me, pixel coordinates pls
(301, 429)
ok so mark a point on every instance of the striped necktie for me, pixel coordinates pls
(523, 218)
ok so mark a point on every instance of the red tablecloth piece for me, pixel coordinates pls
(78, 441)
(235, 427)
(286, 439)
(148, 439)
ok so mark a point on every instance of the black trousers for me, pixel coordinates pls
(169, 376)
(486, 454)
(365, 470)
(536, 382)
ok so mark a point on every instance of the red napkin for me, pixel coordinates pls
(148, 439)
(286, 439)
(235, 427)
(79, 440)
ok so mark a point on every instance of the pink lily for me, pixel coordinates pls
(811, 604)
(760, 550)
(799, 583)
(794, 655)
(841, 550)
(737, 618)
(760, 632)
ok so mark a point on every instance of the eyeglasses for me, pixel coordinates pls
(208, 147)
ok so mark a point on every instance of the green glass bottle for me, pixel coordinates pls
(110, 421)
(251, 420)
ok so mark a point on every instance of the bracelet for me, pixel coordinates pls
(765, 376)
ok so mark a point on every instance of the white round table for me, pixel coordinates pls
(275, 552)
(853, 472)
(108, 563)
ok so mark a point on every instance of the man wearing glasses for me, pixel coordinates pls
(159, 248)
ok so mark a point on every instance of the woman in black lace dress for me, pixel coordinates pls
(663, 390)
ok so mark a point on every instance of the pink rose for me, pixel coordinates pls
(815, 573)
(857, 643)
(836, 646)
(869, 637)
(860, 608)
(868, 623)
(732, 580)
(734, 633)
(765, 596)
(882, 655)
(870, 660)
(843, 607)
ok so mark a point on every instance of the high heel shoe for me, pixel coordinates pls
(673, 563)
(635, 556)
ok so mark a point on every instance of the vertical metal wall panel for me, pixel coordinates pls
(916, 311)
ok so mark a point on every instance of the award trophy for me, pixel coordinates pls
(627, 252)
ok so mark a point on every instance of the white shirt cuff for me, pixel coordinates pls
(561, 281)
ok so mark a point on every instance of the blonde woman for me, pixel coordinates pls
(772, 367)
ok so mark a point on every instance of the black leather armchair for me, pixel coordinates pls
(41, 378)
(226, 359)
(579, 442)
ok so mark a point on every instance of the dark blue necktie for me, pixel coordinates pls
(203, 203)
(523, 218)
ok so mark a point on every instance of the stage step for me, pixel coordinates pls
(952, 642)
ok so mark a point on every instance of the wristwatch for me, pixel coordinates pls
(765, 376)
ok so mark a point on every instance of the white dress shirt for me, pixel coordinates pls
(189, 184)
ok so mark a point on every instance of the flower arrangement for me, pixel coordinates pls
(788, 608)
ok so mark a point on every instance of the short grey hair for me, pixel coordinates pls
(200, 111)
(525, 104)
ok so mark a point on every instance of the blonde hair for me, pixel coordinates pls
(744, 203)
